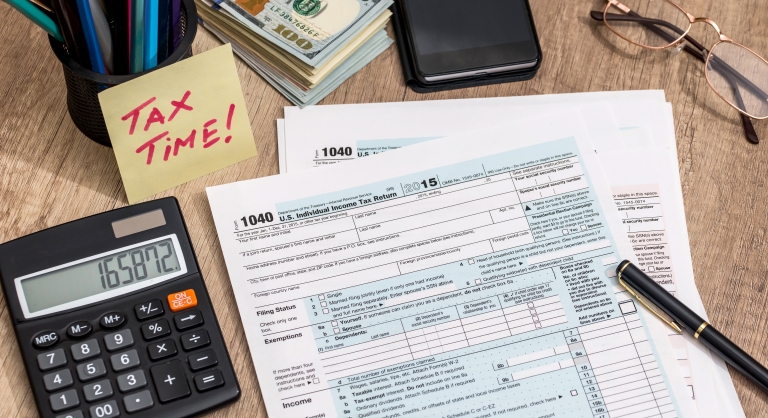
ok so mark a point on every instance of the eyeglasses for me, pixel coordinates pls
(736, 73)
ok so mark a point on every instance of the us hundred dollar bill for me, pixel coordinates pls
(311, 30)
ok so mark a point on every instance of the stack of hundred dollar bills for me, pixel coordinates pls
(304, 48)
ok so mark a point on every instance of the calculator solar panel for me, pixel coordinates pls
(113, 317)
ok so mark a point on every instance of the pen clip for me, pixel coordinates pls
(671, 322)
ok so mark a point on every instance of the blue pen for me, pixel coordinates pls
(151, 17)
(89, 30)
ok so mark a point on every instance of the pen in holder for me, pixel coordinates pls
(84, 85)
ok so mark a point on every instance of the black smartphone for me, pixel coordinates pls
(454, 39)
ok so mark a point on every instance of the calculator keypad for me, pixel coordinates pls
(161, 332)
(131, 381)
(85, 350)
(118, 340)
(99, 390)
(91, 370)
(125, 361)
(51, 359)
(58, 380)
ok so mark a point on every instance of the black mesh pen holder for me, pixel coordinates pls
(84, 85)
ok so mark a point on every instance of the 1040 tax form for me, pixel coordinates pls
(466, 277)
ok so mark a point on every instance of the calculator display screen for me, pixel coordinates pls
(101, 277)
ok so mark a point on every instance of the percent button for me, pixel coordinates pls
(155, 329)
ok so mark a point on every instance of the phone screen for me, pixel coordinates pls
(459, 35)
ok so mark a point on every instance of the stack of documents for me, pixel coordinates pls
(465, 271)
(304, 48)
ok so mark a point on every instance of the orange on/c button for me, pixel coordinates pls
(182, 300)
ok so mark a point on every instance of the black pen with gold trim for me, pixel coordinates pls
(636, 282)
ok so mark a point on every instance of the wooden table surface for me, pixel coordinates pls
(50, 173)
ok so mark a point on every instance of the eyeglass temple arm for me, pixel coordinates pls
(701, 54)
(698, 51)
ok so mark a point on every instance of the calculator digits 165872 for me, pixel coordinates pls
(113, 318)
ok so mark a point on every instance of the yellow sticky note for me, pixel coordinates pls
(178, 123)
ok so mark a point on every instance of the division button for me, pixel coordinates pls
(73, 414)
(162, 349)
(99, 390)
(124, 361)
(52, 359)
(85, 350)
(64, 400)
(92, 370)
(208, 380)
(182, 300)
(112, 320)
(79, 329)
(58, 380)
(188, 319)
(45, 339)
(131, 381)
(138, 402)
(105, 410)
(202, 360)
(155, 329)
(195, 340)
(118, 340)
(149, 309)
(170, 381)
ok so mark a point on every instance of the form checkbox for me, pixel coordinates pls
(471, 261)
(478, 281)
(321, 297)
(334, 323)
(323, 304)
(325, 310)
(651, 268)
(565, 232)
(335, 330)
(315, 380)
(574, 392)
(583, 227)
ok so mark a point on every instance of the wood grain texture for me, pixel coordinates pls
(51, 174)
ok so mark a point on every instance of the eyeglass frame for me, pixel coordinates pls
(698, 50)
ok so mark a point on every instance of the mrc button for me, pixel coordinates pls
(112, 320)
(182, 300)
(45, 339)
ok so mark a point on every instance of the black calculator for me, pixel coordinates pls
(113, 317)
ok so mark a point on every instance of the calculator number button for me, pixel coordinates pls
(188, 319)
(73, 414)
(170, 381)
(149, 309)
(45, 339)
(138, 402)
(195, 340)
(106, 410)
(131, 381)
(182, 300)
(64, 400)
(162, 349)
(79, 329)
(51, 359)
(125, 361)
(99, 390)
(155, 329)
(58, 380)
(112, 320)
(209, 380)
(92, 370)
(85, 350)
(118, 340)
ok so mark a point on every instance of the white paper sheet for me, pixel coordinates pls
(311, 302)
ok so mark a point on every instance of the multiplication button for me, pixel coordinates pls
(149, 309)
(162, 349)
